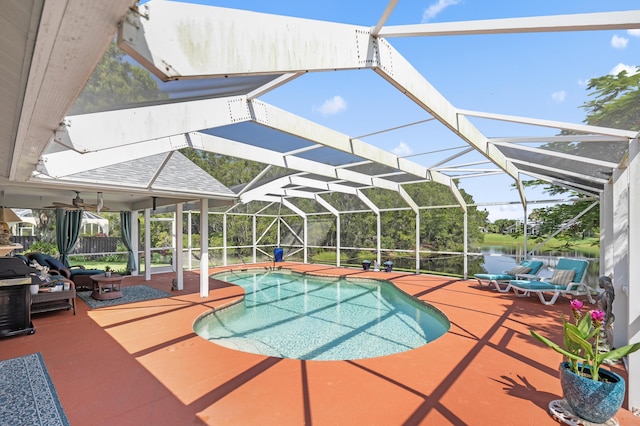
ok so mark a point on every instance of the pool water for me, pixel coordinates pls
(291, 315)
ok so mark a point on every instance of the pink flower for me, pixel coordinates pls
(597, 315)
(576, 304)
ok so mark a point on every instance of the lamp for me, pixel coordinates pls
(8, 216)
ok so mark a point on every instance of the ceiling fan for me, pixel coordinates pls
(78, 203)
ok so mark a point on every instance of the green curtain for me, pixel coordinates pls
(125, 231)
(68, 224)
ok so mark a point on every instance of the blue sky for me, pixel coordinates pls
(539, 75)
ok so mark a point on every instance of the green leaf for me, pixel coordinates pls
(555, 346)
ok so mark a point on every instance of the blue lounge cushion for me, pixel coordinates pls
(535, 265)
(494, 277)
(56, 264)
(80, 271)
(40, 258)
(536, 285)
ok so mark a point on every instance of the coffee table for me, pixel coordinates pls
(106, 288)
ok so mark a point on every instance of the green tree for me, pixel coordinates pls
(117, 83)
(615, 104)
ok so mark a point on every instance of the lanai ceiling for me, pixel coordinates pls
(218, 68)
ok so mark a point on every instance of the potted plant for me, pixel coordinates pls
(388, 266)
(593, 393)
(107, 271)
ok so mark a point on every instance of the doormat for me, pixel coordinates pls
(27, 394)
(136, 293)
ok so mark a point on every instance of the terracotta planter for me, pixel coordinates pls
(593, 401)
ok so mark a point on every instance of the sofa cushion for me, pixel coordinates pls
(56, 264)
(41, 258)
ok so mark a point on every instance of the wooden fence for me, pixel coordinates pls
(85, 245)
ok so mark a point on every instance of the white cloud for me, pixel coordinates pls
(511, 211)
(559, 96)
(630, 69)
(402, 150)
(433, 10)
(583, 82)
(634, 33)
(619, 42)
(332, 106)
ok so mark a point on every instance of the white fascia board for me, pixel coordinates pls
(332, 187)
(102, 130)
(523, 197)
(273, 84)
(249, 152)
(561, 138)
(181, 40)
(67, 162)
(456, 193)
(599, 181)
(394, 68)
(368, 202)
(265, 198)
(273, 187)
(475, 175)
(290, 123)
(552, 124)
(407, 198)
(582, 189)
(293, 208)
(575, 22)
(557, 154)
(295, 193)
(324, 203)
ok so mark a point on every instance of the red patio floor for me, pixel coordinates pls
(142, 364)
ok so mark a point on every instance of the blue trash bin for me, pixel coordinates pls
(278, 254)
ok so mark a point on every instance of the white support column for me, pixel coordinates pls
(204, 247)
(189, 242)
(378, 232)
(305, 220)
(338, 239)
(135, 238)
(254, 234)
(224, 238)
(336, 214)
(418, 242)
(632, 285)
(606, 230)
(620, 254)
(526, 228)
(179, 254)
(147, 244)
(465, 238)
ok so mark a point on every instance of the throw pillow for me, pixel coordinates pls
(562, 276)
(518, 270)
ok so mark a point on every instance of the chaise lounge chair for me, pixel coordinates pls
(76, 273)
(501, 281)
(569, 277)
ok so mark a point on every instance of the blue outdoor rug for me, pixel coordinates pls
(136, 293)
(27, 395)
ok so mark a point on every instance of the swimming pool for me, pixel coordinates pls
(289, 315)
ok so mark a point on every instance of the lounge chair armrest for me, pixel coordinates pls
(77, 266)
(528, 277)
